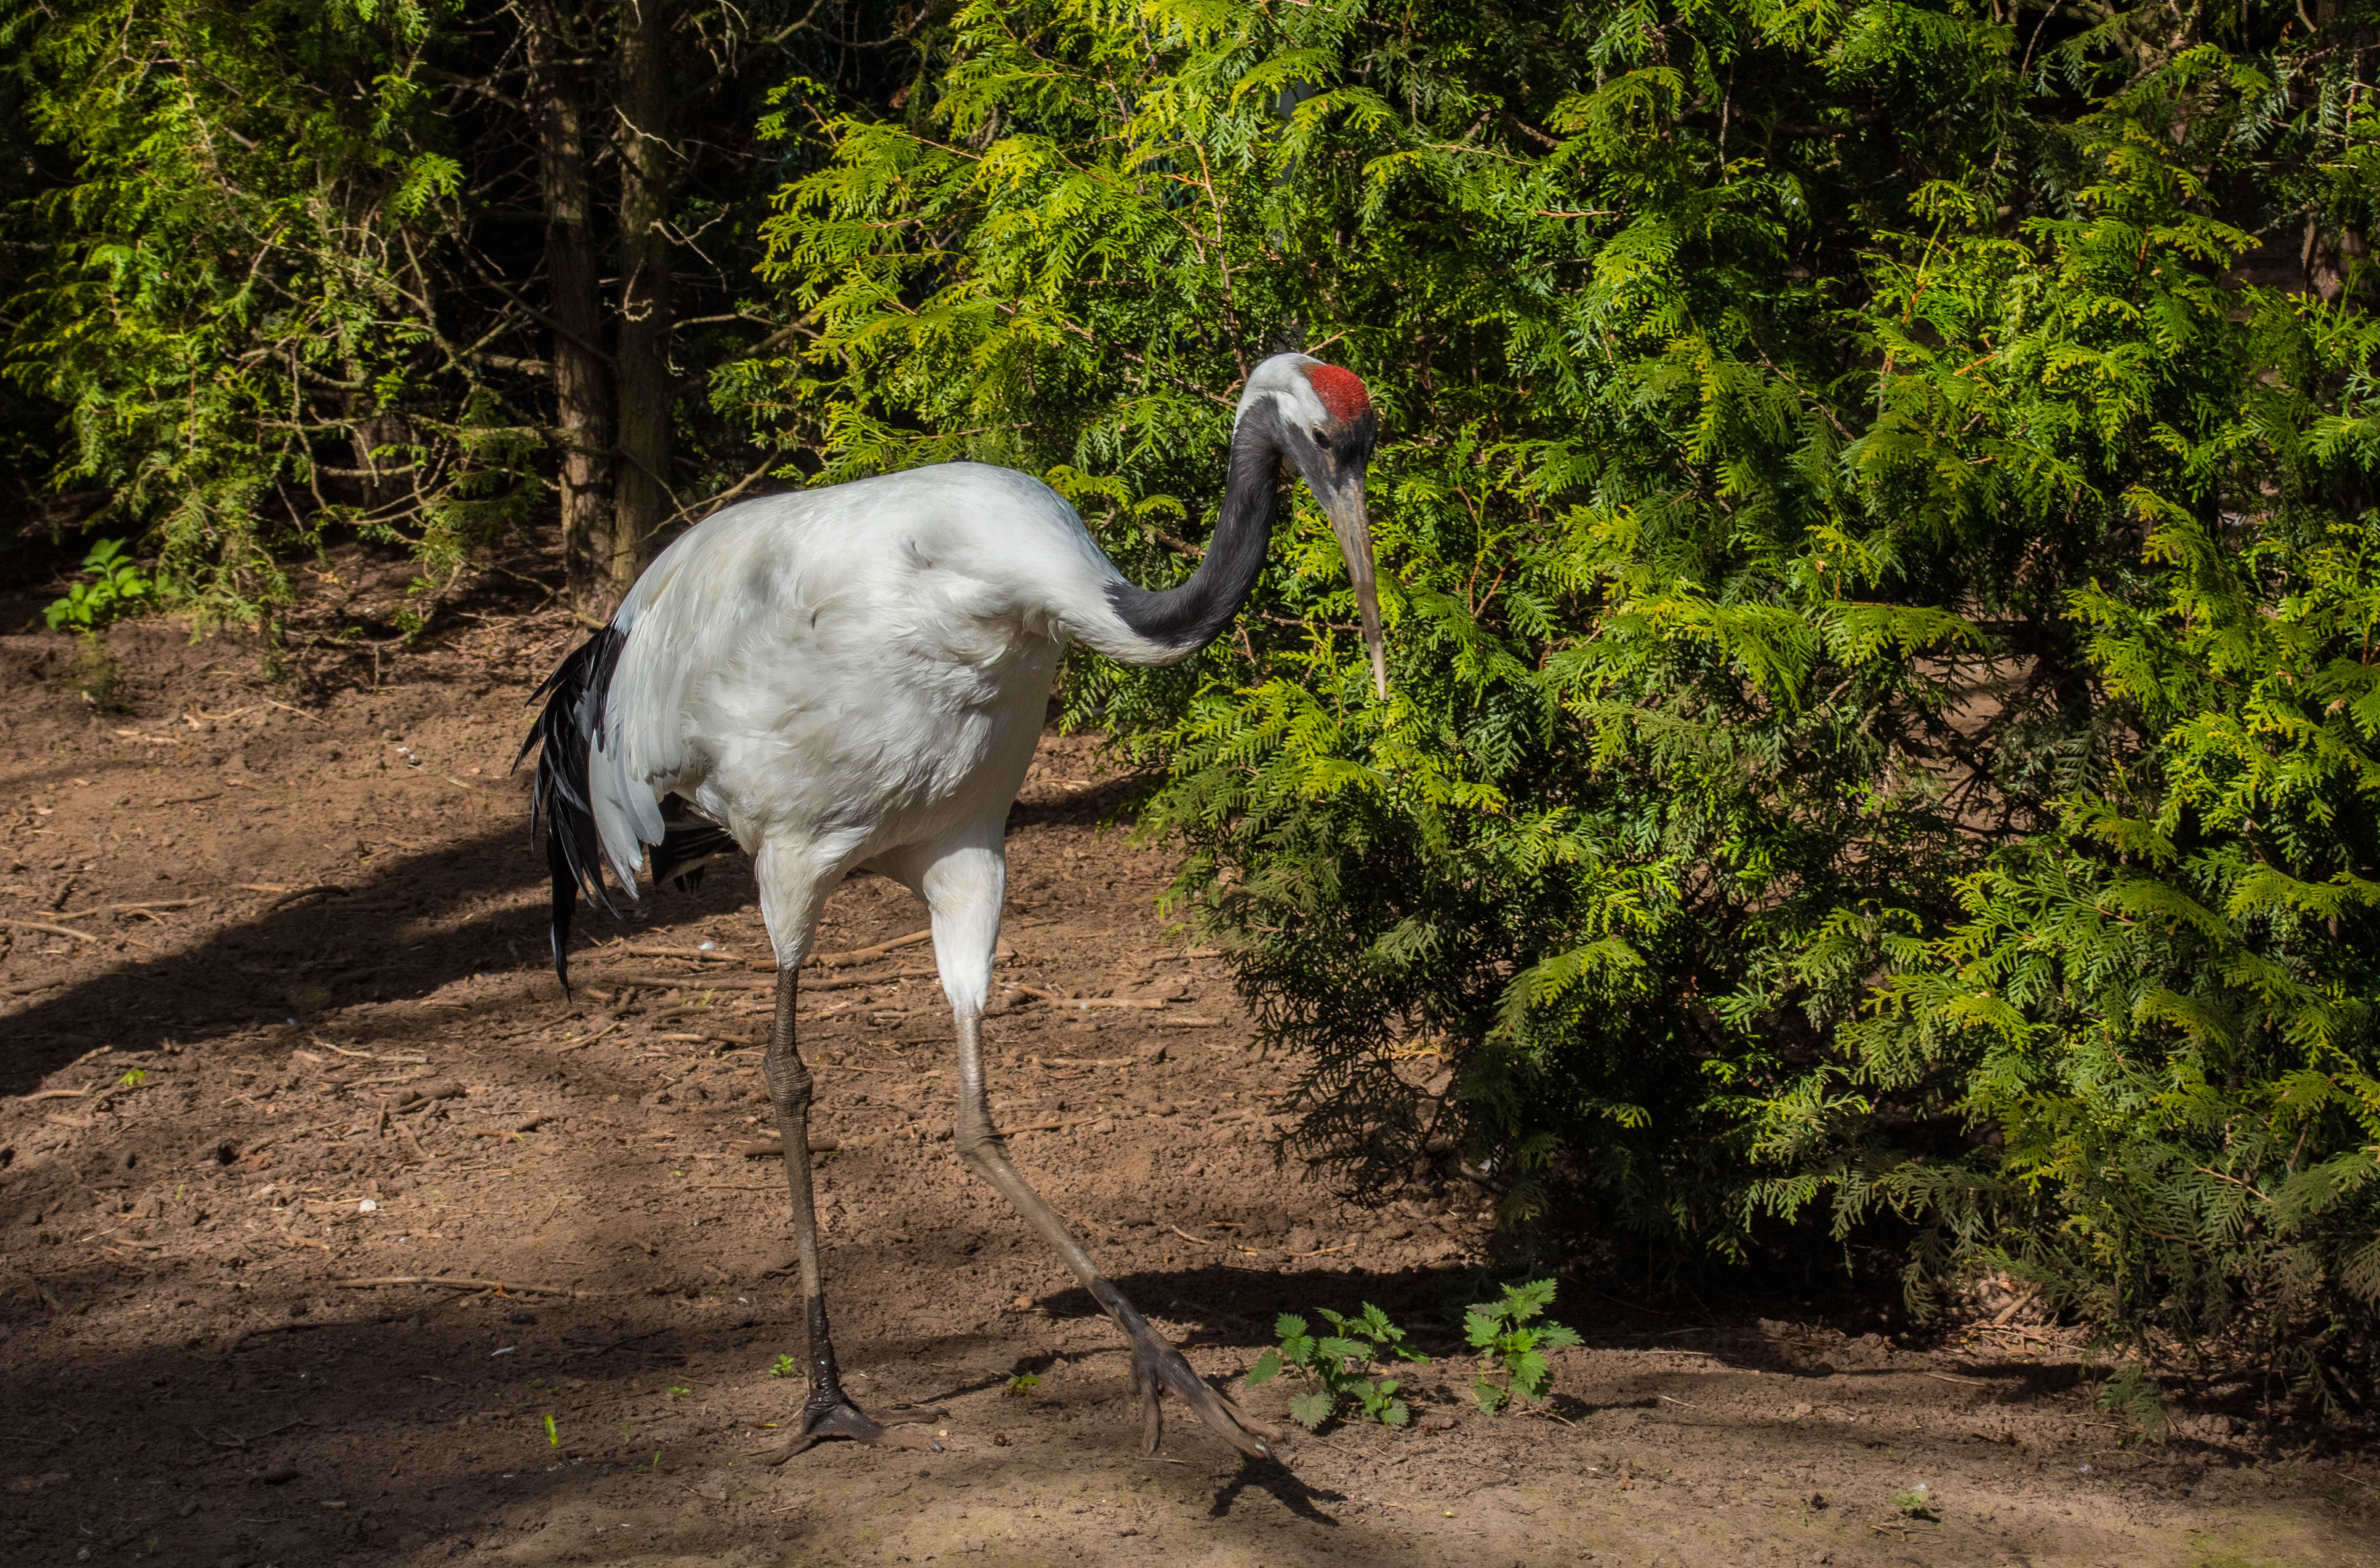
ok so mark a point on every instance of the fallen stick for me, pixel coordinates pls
(2013, 1308)
(691, 982)
(715, 954)
(1054, 1000)
(57, 1093)
(504, 1287)
(45, 925)
(329, 890)
(588, 1040)
(844, 982)
(126, 908)
(1194, 1241)
(862, 954)
(769, 1149)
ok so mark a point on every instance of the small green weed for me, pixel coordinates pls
(1916, 1502)
(1511, 1346)
(679, 1392)
(133, 1079)
(553, 1433)
(1022, 1386)
(1338, 1366)
(117, 587)
(785, 1366)
(627, 1432)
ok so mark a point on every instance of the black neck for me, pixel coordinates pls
(1196, 613)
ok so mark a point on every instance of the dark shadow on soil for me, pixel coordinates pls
(402, 1387)
(348, 941)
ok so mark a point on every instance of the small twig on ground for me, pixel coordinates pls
(2013, 1308)
(57, 1093)
(845, 983)
(131, 908)
(1970, 1382)
(46, 926)
(505, 1287)
(861, 955)
(588, 1040)
(1194, 1241)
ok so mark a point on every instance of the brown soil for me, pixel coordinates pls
(307, 1037)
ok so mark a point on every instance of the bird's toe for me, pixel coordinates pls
(1156, 1364)
(903, 1427)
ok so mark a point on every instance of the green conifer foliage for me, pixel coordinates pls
(1873, 504)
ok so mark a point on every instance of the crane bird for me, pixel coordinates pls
(855, 677)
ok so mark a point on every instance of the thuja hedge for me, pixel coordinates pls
(1876, 513)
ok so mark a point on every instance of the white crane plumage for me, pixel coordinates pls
(855, 676)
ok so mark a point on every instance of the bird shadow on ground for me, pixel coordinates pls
(1281, 1484)
(346, 947)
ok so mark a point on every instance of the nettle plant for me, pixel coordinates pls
(1338, 1366)
(115, 586)
(1513, 1346)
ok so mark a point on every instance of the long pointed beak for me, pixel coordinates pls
(1343, 505)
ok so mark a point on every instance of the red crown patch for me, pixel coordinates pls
(1341, 392)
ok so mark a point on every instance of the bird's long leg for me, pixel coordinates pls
(1156, 1364)
(828, 1411)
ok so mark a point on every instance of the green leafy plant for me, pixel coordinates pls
(133, 1079)
(1513, 1344)
(1022, 1386)
(553, 1433)
(1917, 1502)
(116, 587)
(784, 1367)
(679, 1392)
(1338, 1368)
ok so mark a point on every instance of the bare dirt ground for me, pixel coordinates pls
(297, 1051)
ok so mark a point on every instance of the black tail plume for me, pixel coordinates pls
(565, 736)
(688, 844)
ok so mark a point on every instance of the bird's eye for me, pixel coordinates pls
(1319, 439)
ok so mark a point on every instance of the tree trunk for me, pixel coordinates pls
(575, 312)
(643, 502)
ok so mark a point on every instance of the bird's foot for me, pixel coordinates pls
(1158, 1365)
(831, 1415)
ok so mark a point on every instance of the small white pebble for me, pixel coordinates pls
(367, 1207)
(705, 946)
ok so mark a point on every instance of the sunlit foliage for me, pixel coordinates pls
(1875, 505)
